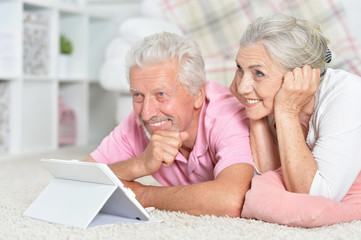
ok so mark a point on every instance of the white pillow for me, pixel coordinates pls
(117, 48)
(151, 8)
(134, 29)
(112, 75)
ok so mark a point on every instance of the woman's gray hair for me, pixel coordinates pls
(162, 47)
(291, 42)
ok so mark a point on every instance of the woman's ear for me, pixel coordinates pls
(200, 97)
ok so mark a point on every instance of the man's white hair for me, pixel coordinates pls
(163, 47)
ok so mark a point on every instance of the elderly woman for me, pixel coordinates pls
(304, 117)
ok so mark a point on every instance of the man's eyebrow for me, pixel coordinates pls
(134, 90)
(154, 90)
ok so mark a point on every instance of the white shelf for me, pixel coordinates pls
(37, 132)
(33, 104)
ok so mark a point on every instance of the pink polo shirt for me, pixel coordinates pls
(222, 140)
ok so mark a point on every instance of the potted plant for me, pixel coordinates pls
(66, 49)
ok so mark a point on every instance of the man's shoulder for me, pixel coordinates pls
(131, 125)
(220, 101)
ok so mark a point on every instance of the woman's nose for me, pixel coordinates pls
(245, 86)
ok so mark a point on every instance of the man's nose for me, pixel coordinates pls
(149, 109)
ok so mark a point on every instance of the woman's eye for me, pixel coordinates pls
(259, 74)
(239, 68)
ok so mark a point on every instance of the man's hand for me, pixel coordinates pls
(297, 90)
(136, 187)
(162, 150)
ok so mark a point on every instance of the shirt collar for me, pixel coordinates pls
(201, 144)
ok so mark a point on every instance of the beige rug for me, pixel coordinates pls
(23, 178)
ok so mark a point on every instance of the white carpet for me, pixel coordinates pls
(23, 178)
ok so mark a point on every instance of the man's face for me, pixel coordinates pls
(160, 101)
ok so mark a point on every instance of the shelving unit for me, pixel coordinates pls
(33, 96)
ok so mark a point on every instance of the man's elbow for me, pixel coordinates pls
(232, 207)
(89, 159)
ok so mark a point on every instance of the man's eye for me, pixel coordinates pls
(137, 97)
(161, 94)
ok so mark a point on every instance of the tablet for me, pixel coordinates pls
(121, 202)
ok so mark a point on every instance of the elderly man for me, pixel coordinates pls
(191, 135)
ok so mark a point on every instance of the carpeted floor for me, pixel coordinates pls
(23, 178)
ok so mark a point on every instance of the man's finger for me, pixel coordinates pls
(168, 160)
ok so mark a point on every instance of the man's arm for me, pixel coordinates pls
(161, 151)
(127, 170)
(220, 197)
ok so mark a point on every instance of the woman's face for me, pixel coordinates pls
(257, 81)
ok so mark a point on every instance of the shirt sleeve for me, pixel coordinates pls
(122, 143)
(231, 142)
(337, 149)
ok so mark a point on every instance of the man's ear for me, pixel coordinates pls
(200, 97)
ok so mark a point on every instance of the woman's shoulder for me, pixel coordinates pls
(341, 77)
(339, 81)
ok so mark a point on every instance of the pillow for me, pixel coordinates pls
(220, 70)
(269, 201)
(134, 29)
(117, 48)
(218, 25)
(112, 75)
(149, 8)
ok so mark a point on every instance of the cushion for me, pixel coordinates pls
(220, 70)
(218, 25)
(112, 75)
(269, 201)
(117, 48)
(148, 8)
(136, 28)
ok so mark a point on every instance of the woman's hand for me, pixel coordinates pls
(297, 90)
(293, 108)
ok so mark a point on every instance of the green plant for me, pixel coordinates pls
(66, 47)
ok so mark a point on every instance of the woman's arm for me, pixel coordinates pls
(296, 95)
(298, 165)
(264, 150)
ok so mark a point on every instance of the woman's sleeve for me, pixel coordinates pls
(338, 146)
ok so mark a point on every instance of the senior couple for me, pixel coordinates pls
(285, 113)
